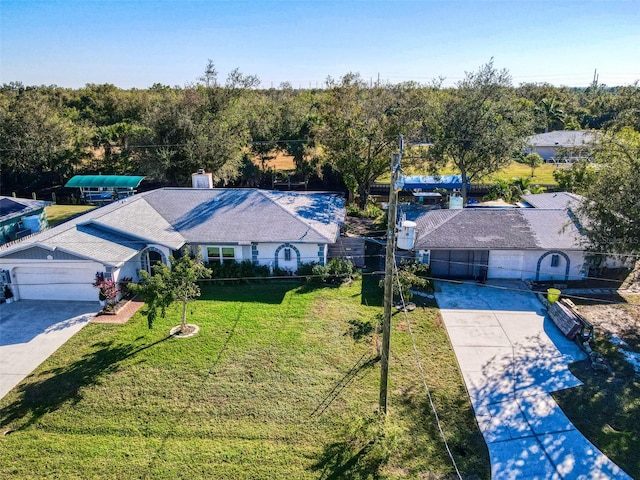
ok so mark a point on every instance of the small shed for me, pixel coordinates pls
(105, 188)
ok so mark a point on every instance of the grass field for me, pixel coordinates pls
(543, 174)
(59, 213)
(281, 382)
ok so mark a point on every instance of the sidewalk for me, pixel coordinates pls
(512, 358)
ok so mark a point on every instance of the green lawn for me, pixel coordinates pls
(543, 174)
(281, 382)
(59, 213)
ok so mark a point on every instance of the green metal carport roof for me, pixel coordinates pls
(108, 181)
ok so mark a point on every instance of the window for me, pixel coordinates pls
(555, 260)
(221, 254)
(287, 254)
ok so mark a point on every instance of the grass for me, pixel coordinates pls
(543, 174)
(57, 214)
(607, 407)
(281, 382)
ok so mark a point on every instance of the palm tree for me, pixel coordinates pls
(551, 112)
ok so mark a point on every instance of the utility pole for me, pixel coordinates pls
(388, 276)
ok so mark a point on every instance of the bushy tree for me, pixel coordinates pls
(611, 210)
(168, 284)
(477, 126)
(534, 160)
(358, 132)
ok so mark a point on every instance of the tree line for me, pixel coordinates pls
(340, 136)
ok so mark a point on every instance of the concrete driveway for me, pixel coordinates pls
(31, 330)
(511, 357)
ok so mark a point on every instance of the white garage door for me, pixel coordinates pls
(55, 283)
(506, 265)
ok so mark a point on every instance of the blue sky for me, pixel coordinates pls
(138, 43)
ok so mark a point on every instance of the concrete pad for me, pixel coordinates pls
(576, 457)
(505, 421)
(31, 330)
(509, 370)
(473, 318)
(522, 458)
(478, 359)
(543, 414)
(481, 336)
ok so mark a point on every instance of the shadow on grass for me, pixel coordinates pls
(365, 362)
(63, 384)
(465, 440)
(365, 448)
(272, 292)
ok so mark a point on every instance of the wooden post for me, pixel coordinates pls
(388, 281)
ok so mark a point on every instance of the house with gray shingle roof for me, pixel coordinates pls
(280, 229)
(574, 145)
(522, 243)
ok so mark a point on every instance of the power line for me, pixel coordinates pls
(422, 374)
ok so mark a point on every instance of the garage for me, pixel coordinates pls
(458, 263)
(62, 282)
(506, 264)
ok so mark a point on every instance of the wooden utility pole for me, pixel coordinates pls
(388, 277)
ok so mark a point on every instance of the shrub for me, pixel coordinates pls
(337, 271)
(237, 270)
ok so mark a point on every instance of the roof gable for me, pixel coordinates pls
(524, 229)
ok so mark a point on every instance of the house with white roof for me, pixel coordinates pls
(280, 229)
(574, 144)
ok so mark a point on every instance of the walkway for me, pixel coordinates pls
(511, 358)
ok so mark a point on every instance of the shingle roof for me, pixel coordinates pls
(521, 229)
(175, 216)
(562, 138)
(557, 200)
(233, 215)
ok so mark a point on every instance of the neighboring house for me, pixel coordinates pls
(522, 243)
(555, 200)
(574, 144)
(280, 229)
(20, 217)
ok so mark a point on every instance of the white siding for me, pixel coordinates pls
(523, 264)
(506, 264)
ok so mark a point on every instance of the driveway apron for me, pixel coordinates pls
(31, 330)
(512, 357)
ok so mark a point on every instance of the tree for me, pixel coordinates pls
(610, 213)
(358, 132)
(477, 126)
(577, 178)
(169, 284)
(534, 160)
(551, 113)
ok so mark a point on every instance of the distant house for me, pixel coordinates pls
(554, 201)
(574, 145)
(20, 217)
(522, 243)
(280, 229)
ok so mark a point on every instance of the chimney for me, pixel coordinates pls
(201, 179)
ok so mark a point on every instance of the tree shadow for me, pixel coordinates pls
(365, 448)
(63, 384)
(272, 293)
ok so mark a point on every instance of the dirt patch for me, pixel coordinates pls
(619, 319)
